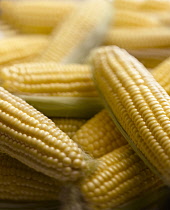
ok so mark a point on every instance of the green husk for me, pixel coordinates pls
(77, 107)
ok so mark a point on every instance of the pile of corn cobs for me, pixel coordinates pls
(84, 104)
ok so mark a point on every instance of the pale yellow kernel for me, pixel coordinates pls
(77, 163)
(66, 161)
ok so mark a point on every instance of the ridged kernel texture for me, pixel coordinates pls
(139, 103)
(49, 79)
(33, 139)
(82, 31)
(21, 183)
(69, 125)
(120, 177)
(99, 135)
(21, 48)
(39, 16)
(162, 74)
(138, 38)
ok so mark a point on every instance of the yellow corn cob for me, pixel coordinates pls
(127, 4)
(120, 177)
(19, 182)
(162, 74)
(151, 57)
(139, 103)
(137, 38)
(49, 79)
(68, 125)
(128, 18)
(155, 5)
(20, 48)
(33, 139)
(39, 16)
(99, 135)
(82, 31)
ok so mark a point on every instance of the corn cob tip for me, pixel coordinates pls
(33, 139)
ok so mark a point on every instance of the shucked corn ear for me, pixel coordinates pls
(139, 103)
(126, 4)
(155, 5)
(120, 177)
(99, 135)
(19, 182)
(143, 5)
(68, 125)
(162, 74)
(21, 48)
(128, 18)
(49, 78)
(82, 31)
(39, 16)
(33, 139)
(138, 38)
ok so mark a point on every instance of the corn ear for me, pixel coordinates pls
(82, 31)
(33, 139)
(139, 105)
(49, 79)
(162, 74)
(120, 177)
(138, 38)
(21, 48)
(128, 18)
(126, 4)
(99, 135)
(40, 16)
(68, 125)
(155, 5)
(21, 183)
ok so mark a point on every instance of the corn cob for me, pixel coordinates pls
(33, 139)
(49, 79)
(19, 182)
(82, 31)
(139, 103)
(162, 74)
(138, 38)
(68, 125)
(20, 48)
(99, 135)
(126, 4)
(128, 18)
(150, 57)
(39, 16)
(155, 5)
(120, 177)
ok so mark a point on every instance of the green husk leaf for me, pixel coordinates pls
(77, 107)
